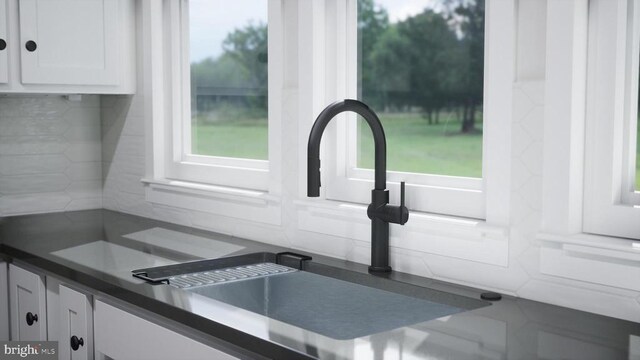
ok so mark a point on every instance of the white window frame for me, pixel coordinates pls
(229, 188)
(611, 203)
(180, 164)
(485, 198)
(576, 47)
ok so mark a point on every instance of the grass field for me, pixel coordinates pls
(241, 138)
(412, 144)
(415, 146)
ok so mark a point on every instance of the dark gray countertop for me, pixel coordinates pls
(99, 248)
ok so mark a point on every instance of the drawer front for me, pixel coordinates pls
(121, 335)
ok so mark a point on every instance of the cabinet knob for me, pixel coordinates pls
(31, 318)
(76, 343)
(3, 44)
(31, 46)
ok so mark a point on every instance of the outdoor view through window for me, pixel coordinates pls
(228, 55)
(421, 68)
(638, 148)
(638, 143)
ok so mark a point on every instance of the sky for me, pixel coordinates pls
(212, 20)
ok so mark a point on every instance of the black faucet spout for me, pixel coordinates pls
(379, 211)
(313, 148)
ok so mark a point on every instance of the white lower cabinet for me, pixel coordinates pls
(75, 333)
(4, 302)
(121, 335)
(85, 328)
(27, 304)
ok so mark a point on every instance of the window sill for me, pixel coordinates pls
(466, 239)
(592, 258)
(254, 205)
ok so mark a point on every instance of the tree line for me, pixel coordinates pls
(430, 61)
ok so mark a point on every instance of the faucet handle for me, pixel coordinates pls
(404, 212)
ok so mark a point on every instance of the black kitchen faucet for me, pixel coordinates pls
(379, 211)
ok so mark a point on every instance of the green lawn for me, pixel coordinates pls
(413, 145)
(242, 138)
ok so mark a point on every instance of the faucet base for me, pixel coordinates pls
(379, 269)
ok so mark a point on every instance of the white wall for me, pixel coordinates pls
(50, 154)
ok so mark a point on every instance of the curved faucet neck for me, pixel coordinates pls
(321, 123)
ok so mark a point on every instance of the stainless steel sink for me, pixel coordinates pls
(337, 303)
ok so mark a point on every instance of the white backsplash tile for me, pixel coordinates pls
(33, 203)
(83, 133)
(24, 145)
(84, 204)
(33, 106)
(50, 154)
(80, 152)
(32, 164)
(85, 171)
(33, 126)
(33, 184)
(84, 189)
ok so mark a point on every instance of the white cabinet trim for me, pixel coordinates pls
(4, 301)
(4, 57)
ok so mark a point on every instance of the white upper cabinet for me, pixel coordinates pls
(69, 42)
(27, 304)
(68, 46)
(4, 68)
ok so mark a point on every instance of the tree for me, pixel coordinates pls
(249, 47)
(242, 67)
(373, 22)
(431, 46)
(390, 67)
(431, 60)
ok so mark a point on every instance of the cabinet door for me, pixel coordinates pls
(69, 42)
(27, 305)
(4, 46)
(76, 325)
(4, 302)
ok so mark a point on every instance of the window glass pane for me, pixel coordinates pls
(228, 53)
(638, 153)
(421, 69)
